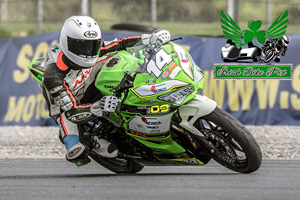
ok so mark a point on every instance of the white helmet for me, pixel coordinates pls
(285, 40)
(80, 40)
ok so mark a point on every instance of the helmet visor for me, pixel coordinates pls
(84, 48)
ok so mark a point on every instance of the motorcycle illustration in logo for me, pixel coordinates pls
(274, 41)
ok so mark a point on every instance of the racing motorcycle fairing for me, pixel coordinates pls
(196, 108)
(166, 78)
(37, 69)
(167, 70)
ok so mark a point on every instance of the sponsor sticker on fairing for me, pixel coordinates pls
(197, 75)
(150, 125)
(184, 60)
(158, 88)
(166, 73)
(175, 72)
(151, 90)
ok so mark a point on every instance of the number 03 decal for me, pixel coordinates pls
(162, 58)
(163, 108)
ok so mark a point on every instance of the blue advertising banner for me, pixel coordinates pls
(257, 102)
(21, 101)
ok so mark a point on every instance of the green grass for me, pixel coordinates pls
(108, 12)
(175, 28)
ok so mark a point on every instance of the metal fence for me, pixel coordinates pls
(189, 17)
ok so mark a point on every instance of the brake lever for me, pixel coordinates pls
(178, 38)
(123, 86)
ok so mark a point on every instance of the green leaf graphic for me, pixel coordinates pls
(261, 36)
(254, 25)
(248, 36)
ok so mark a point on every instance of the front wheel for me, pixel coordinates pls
(233, 146)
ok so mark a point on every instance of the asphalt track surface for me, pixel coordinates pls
(57, 179)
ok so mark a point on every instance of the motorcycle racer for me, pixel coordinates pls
(276, 47)
(71, 68)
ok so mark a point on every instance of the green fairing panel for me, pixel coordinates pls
(37, 70)
(162, 145)
(111, 76)
(180, 72)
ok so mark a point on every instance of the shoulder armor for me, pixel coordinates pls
(52, 54)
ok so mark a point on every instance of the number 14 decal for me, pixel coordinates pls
(155, 66)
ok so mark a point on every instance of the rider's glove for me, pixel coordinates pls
(159, 35)
(105, 104)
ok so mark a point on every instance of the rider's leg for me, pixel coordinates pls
(77, 148)
(91, 95)
(104, 148)
(96, 144)
(77, 152)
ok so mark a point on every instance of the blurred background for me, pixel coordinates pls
(270, 108)
(188, 17)
(29, 27)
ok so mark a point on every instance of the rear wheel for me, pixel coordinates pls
(117, 165)
(229, 142)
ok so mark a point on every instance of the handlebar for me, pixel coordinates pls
(128, 78)
(125, 83)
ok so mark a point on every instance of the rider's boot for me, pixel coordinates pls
(104, 148)
(76, 152)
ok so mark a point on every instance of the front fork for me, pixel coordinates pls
(198, 107)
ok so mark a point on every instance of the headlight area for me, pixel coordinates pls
(178, 96)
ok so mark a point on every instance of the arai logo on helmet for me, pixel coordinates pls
(90, 34)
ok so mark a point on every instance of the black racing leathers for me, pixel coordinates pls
(65, 83)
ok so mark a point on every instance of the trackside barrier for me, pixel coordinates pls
(256, 102)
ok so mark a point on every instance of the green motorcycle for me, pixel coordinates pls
(162, 119)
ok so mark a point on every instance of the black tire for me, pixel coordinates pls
(277, 59)
(117, 165)
(237, 140)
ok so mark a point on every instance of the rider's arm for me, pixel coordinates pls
(62, 96)
(118, 44)
(121, 44)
